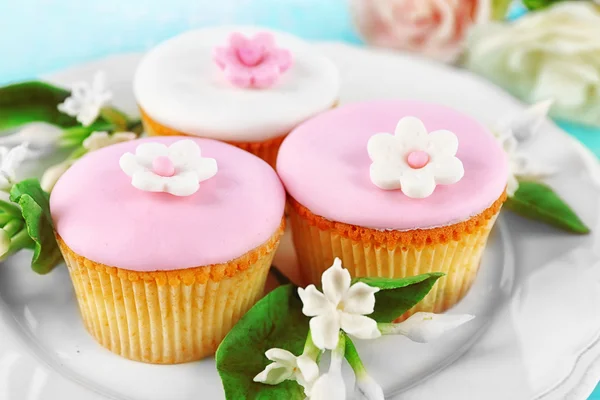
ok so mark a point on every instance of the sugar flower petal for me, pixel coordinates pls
(360, 299)
(325, 330)
(359, 326)
(336, 282)
(313, 302)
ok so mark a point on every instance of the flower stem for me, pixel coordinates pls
(310, 349)
(354, 360)
(21, 241)
(337, 355)
(13, 226)
(9, 210)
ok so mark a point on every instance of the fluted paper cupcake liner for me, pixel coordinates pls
(167, 317)
(458, 255)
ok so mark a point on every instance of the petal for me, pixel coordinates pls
(283, 59)
(325, 331)
(314, 302)
(443, 142)
(147, 152)
(308, 368)
(423, 327)
(265, 74)
(274, 374)
(418, 183)
(447, 170)
(129, 164)
(383, 147)
(359, 326)
(183, 184)
(237, 40)
(386, 175)
(238, 75)
(205, 168)
(184, 153)
(336, 282)
(282, 357)
(411, 130)
(148, 181)
(360, 299)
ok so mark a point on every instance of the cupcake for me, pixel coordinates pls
(168, 242)
(247, 86)
(394, 189)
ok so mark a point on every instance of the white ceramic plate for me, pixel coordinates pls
(537, 297)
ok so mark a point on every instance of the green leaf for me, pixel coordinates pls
(275, 321)
(539, 4)
(398, 295)
(31, 101)
(10, 209)
(539, 202)
(35, 207)
(500, 9)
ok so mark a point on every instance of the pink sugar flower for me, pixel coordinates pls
(252, 62)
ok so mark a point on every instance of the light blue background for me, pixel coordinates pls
(40, 36)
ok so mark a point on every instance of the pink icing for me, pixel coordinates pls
(417, 159)
(163, 166)
(253, 62)
(324, 165)
(101, 216)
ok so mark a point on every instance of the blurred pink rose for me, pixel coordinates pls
(435, 28)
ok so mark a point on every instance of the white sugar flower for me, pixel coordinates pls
(340, 306)
(367, 388)
(520, 129)
(286, 366)
(98, 140)
(413, 160)
(177, 169)
(423, 327)
(87, 99)
(9, 162)
(331, 386)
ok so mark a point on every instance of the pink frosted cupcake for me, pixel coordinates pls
(168, 242)
(394, 189)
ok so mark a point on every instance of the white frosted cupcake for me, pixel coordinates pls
(247, 86)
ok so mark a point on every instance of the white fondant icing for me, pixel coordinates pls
(87, 99)
(179, 85)
(341, 305)
(392, 170)
(190, 168)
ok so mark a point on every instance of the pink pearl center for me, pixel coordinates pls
(163, 166)
(417, 159)
(251, 55)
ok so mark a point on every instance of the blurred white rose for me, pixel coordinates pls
(553, 53)
(435, 28)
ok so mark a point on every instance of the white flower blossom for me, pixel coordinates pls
(87, 99)
(331, 386)
(423, 327)
(286, 366)
(340, 306)
(367, 388)
(511, 134)
(10, 160)
(413, 160)
(98, 140)
(177, 169)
